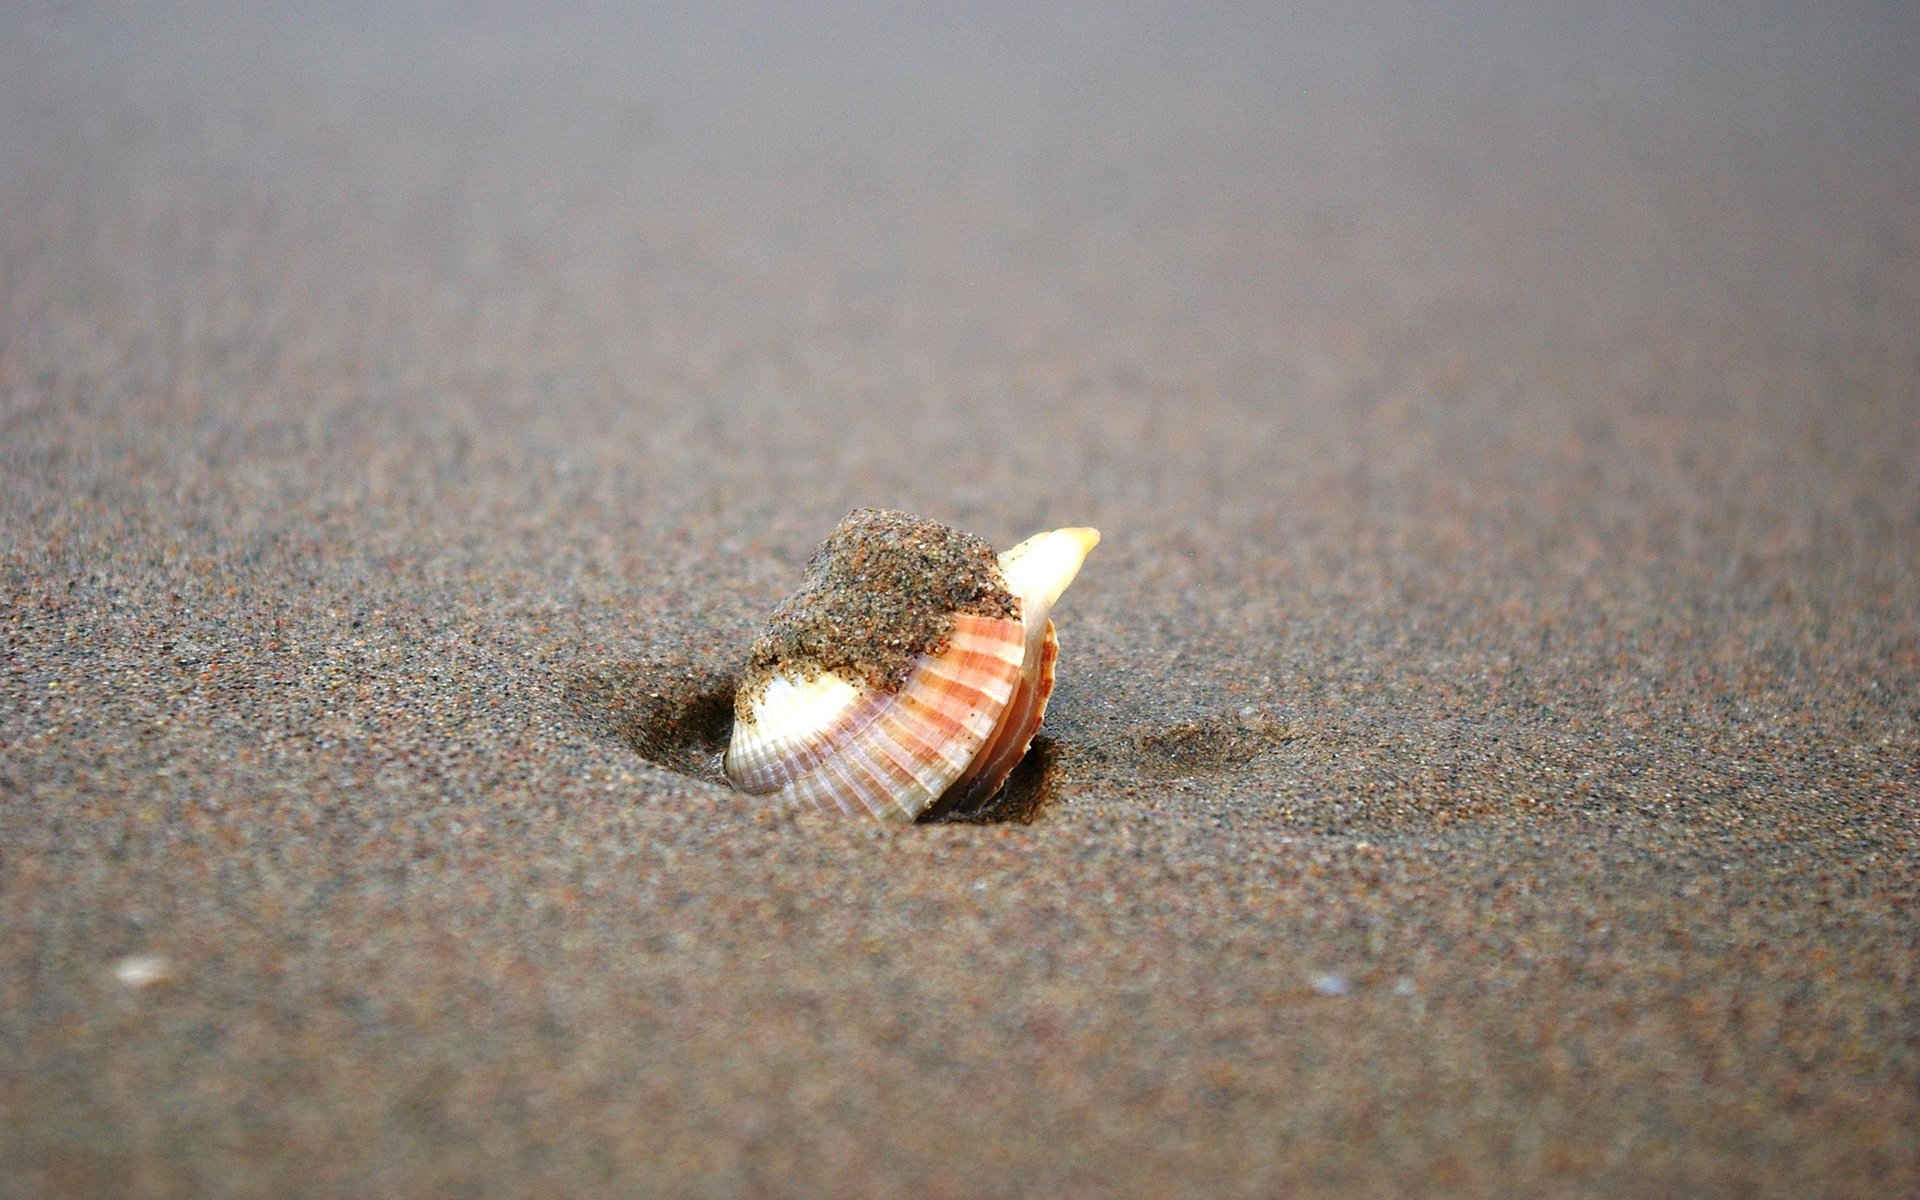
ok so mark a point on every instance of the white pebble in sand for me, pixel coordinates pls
(1330, 983)
(140, 971)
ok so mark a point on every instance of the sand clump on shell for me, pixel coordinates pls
(879, 592)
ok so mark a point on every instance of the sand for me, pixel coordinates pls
(1484, 757)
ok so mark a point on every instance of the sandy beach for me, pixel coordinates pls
(1486, 752)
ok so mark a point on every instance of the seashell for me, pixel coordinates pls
(913, 666)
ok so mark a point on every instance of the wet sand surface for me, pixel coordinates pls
(1484, 758)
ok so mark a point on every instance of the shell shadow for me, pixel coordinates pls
(1019, 800)
(677, 712)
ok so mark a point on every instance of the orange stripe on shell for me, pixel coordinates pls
(942, 714)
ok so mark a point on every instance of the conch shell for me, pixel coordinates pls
(912, 667)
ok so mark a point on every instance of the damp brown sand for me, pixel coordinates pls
(1483, 755)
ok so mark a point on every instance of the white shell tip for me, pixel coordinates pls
(1044, 564)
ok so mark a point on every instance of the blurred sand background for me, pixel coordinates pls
(1485, 754)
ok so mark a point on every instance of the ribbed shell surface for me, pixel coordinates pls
(1011, 736)
(890, 754)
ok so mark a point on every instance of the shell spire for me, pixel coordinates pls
(911, 669)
